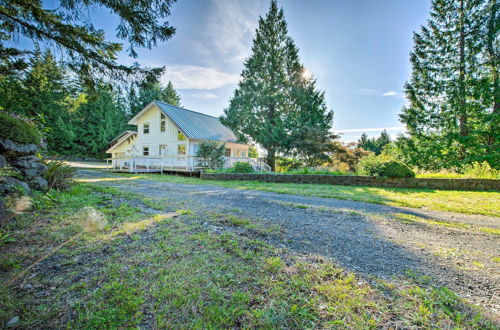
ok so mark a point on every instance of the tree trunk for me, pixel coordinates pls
(463, 129)
(271, 158)
(493, 63)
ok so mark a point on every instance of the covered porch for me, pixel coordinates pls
(160, 164)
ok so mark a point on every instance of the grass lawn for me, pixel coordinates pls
(469, 202)
(160, 265)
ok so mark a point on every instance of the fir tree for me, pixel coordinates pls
(99, 119)
(67, 27)
(148, 92)
(276, 103)
(449, 81)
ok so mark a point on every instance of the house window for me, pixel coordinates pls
(162, 116)
(181, 149)
(242, 154)
(180, 136)
(145, 128)
(145, 151)
(163, 124)
(163, 149)
(228, 152)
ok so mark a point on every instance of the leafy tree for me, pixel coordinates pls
(148, 92)
(453, 91)
(211, 155)
(276, 103)
(69, 28)
(252, 152)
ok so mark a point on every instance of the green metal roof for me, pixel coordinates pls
(197, 125)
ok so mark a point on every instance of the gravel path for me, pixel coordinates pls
(364, 238)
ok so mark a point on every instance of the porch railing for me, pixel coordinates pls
(137, 164)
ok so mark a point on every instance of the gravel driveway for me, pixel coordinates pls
(370, 239)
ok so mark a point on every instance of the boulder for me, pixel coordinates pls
(3, 161)
(29, 169)
(38, 183)
(12, 149)
(9, 184)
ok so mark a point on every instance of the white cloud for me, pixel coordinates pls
(377, 92)
(355, 130)
(203, 95)
(390, 93)
(197, 77)
(229, 29)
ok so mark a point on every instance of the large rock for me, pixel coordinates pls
(12, 149)
(29, 168)
(38, 183)
(9, 184)
(3, 161)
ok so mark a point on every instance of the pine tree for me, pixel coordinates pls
(363, 141)
(446, 90)
(99, 119)
(148, 92)
(65, 26)
(276, 103)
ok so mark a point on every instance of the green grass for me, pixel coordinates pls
(176, 272)
(468, 202)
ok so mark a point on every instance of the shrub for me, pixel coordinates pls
(394, 169)
(18, 130)
(287, 164)
(241, 167)
(211, 155)
(370, 165)
(378, 166)
(482, 170)
(59, 175)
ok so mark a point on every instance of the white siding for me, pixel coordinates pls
(155, 138)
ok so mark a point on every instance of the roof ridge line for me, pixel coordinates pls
(201, 113)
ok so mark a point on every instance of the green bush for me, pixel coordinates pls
(482, 170)
(394, 169)
(211, 155)
(241, 167)
(18, 130)
(370, 165)
(284, 164)
(378, 166)
(59, 175)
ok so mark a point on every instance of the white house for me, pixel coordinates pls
(168, 137)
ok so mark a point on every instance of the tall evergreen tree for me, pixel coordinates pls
(449, 81)
(66, 26)
(276, 103)
(148, 92)
(99, 120)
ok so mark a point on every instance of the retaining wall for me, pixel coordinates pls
(429, 183)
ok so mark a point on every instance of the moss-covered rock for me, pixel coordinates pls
(18, 130)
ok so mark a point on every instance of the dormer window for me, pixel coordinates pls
(180, 136)
(145, 128)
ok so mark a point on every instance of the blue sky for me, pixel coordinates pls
(357, 49)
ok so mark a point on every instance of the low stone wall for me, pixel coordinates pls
(441, 184)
